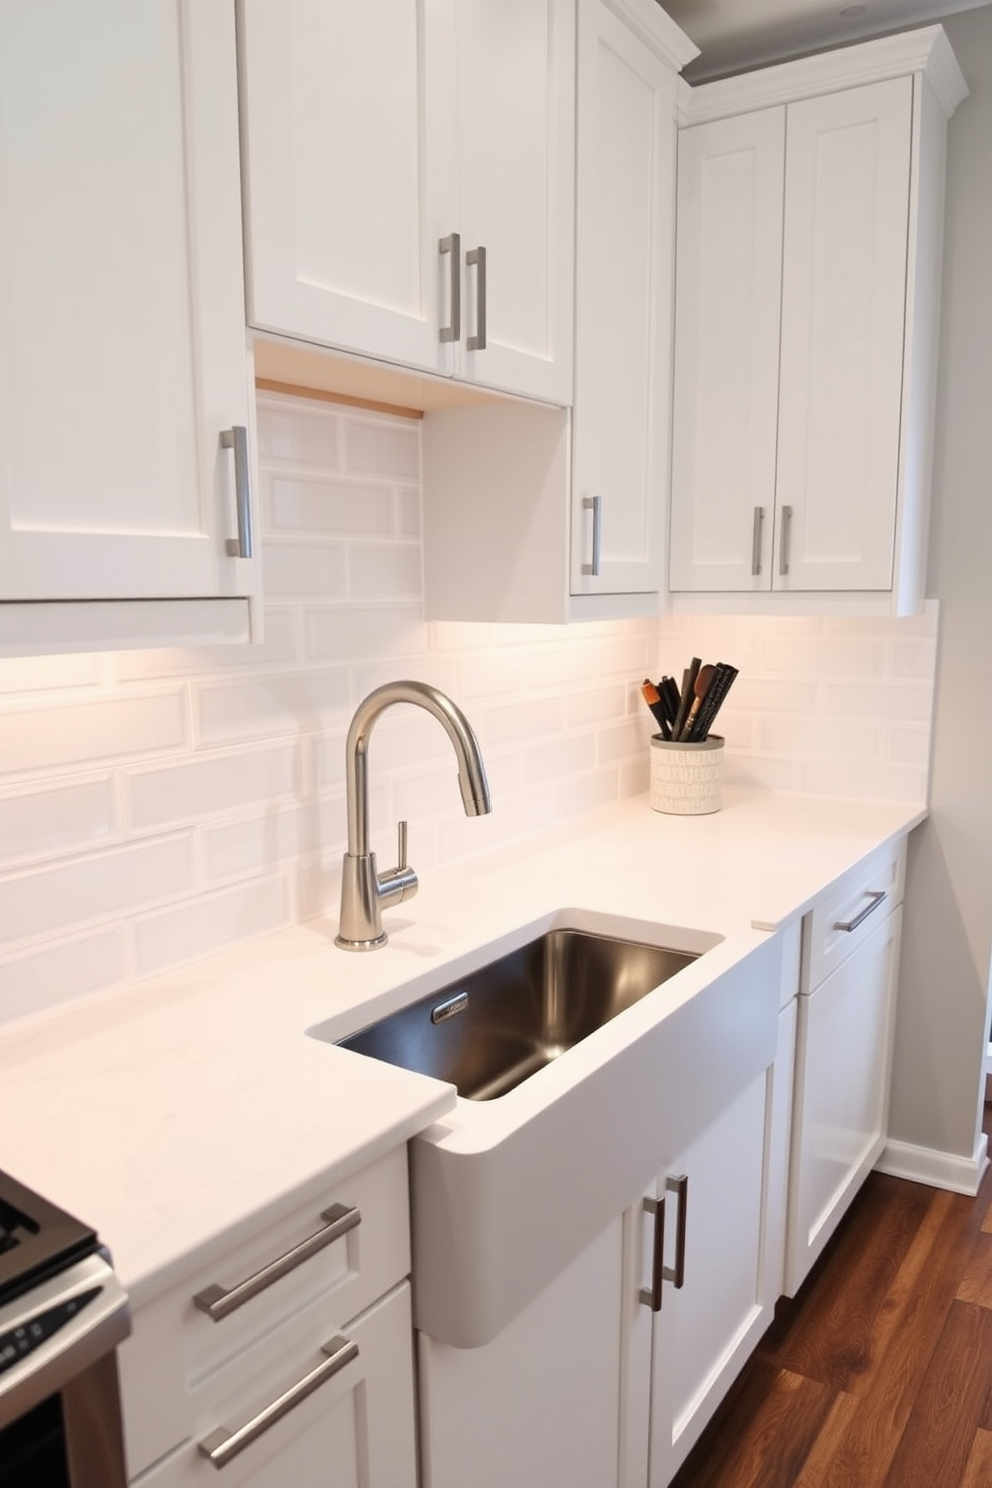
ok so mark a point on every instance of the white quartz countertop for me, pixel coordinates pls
(195, 1103)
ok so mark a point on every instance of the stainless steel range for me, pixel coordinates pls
(62, 1314)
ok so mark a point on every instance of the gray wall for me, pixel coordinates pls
(938, 1083)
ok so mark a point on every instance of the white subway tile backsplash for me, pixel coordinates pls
(157, 806)
(45, 739)
(211, 785)
(380, 630)
(295, 429)
(545, 763)
(248, 848)
(279, 648)
(408, 518)
(188, 931)
(26, 674)
(514, 723)
(308, 504)
(893, 702)
(599, 704)
(57, 820)
(383, 446)
(57, 973)
(291, 703)
(305, 568)
(47, 901)
(384, 571)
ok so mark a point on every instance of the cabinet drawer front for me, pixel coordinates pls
(176, 1347)
(356, 1428)
(844, 916)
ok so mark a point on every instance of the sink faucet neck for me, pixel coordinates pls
(363, 890)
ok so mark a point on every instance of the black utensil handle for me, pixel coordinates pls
(719, 688)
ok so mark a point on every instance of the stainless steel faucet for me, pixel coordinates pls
(364, 891)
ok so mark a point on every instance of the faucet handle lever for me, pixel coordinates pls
(401, 835)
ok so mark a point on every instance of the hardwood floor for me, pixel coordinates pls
(879, 1374)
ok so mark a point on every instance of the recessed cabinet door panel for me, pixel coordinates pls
(341, 212)
(625, 205)
(706, 1328)
(843, 307)
(728, 268)
(122, 351)
(515, 88)
(843, 1070)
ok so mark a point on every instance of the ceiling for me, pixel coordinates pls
(737, 34)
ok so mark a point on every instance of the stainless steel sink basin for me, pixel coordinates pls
(487, 1031)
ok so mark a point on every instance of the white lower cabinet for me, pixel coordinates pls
(356, 1428)
(843, 1066)
(610, 1373)
(537, 1407)
(699, 1279)
(286, 1357)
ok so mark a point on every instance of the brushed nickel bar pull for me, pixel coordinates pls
(757, 530)
(237, 439)
(784, 540)
(477, 257)
(595, 505)
(651, 1296)
(680, 1187)
(222, 1446)
(875, 896)
(217, 1301)
(452, 245)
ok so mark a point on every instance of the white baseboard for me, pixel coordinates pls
(938, 1169)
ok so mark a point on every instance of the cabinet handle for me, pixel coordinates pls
(237, 439)
(595, 505)
(452, 245)
(784, 540)
(756, 535)
(222, 1446)
(875, 897)
(651, 1296)
(477, 257)
(680, 1187)
(217, 1301)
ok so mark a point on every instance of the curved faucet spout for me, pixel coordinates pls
(363, 891)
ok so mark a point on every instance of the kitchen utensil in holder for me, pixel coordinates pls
(686, 779)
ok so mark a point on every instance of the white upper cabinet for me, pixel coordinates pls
(122, 341)
(626, 151)
(808, 279)
(570, 513)
(409, 182)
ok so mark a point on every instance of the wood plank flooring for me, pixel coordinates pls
(879, 1374)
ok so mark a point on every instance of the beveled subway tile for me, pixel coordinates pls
(293, 429)
(48, 901)
(190, 930)
(113, 727)
(57, 820)
(211, 784)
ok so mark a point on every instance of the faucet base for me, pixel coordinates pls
(361, 945)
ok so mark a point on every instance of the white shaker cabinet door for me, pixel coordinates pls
(626, 152)
(122, 345)
(514, 88)
(843, 308)
(342, 107)
(729, 269)
(709, 1323)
